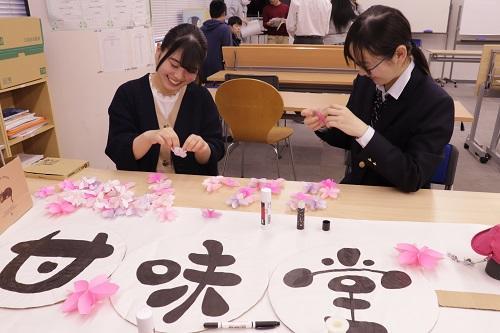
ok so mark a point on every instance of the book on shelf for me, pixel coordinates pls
(16, 115)
(10, 112)
(13, 123)
(27, 128)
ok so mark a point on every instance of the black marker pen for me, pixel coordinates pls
(259, 325)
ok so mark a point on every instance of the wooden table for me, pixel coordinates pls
(354, 202)
(298, 101)
(299, 81)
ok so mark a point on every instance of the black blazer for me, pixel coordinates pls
(132, 112)
(409, 136)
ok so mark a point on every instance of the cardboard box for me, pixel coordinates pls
(55, 168)
(15, 198)
(21, 51)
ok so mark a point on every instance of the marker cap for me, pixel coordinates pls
(326, 225)
(144, 320)
(265, 194)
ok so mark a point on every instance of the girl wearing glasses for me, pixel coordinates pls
(167, 111)
(397, 121)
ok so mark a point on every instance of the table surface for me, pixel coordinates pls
(298, 101)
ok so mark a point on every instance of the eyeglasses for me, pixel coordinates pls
(369, 70)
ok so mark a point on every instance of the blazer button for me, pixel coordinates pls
(362, 164)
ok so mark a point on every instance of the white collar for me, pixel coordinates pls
(397, 88)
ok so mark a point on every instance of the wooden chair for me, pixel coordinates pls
(252, 108)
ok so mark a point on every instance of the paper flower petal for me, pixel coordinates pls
(85, 303)
(178, 151)
(44, 192)
(156, 177)
(71, 303)
(425, 257)
(210, 213)
(321, 117)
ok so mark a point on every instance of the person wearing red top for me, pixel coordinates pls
(275, 14)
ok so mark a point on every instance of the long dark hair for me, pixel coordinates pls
(191, 41)
(380, 30)
(342, 14)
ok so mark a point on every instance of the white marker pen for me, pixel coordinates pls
(144, 320)
(265, 207)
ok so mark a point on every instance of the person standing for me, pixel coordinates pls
(308, 20)
(343, 14)
(218, 34)
(238, 8)
(275, 14)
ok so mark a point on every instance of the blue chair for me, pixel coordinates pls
(445, 173)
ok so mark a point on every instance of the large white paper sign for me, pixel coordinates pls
(358, 284)
(39, 264)
(189, 281)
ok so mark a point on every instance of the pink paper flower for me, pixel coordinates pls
(166, 214)
(87, 294)
(329, 192)
(321, 117)
(178, 151)
(243, 197)
(230, 182)
(156, 177)
(44, 192)
(275, 185)
(210, 213)
(411, 255)
(212, 184)
(67, 185)
(487, 243)
(60, 207)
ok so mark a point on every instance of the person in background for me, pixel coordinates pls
(398, 120)
(235, 23)
(218, 34)
(343, 14)
(358, 9)
(167, 110)
(308, 20)
(275, 14)
(238, 8)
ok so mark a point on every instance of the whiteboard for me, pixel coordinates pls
(480, 17)
(423, 15)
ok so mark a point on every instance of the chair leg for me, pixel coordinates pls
(291, 157)
(243, 159)
(228, 152)
(275, 148)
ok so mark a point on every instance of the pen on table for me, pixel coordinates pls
(259, 325)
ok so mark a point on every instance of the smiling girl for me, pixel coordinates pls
(167, 110)
(398, 120)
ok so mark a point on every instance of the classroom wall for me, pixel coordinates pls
(80, 95)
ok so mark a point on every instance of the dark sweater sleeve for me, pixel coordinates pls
(122, 131)
(411, 169)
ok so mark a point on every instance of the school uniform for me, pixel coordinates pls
(133, 112)
(404, 145)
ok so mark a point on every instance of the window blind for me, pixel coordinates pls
(166, 14)
(13, 8)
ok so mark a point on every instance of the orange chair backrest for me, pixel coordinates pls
(250, 108)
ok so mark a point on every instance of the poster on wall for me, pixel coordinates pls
(98, 14)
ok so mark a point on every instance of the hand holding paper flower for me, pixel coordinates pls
(411, 255)
(87, 294)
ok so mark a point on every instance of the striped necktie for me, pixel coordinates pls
(378, 104)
